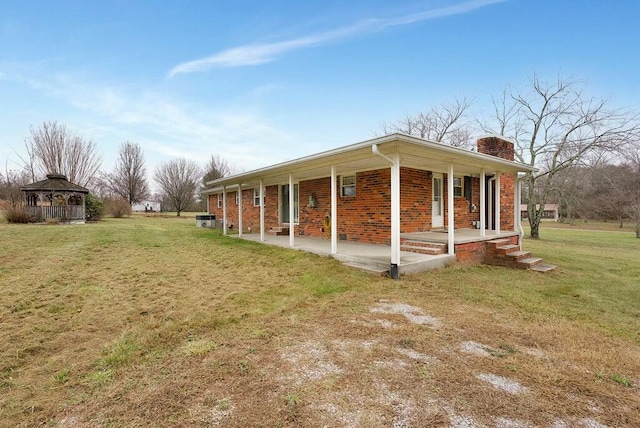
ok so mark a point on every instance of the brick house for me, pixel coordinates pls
(381, 191)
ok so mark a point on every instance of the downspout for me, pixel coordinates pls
(395, 210)
(517, 208)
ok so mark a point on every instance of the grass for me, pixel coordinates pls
(150, 321)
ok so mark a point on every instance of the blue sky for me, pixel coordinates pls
(259, 82)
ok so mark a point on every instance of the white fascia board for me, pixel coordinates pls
(333, 157)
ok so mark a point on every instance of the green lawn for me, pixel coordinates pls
(150, 321)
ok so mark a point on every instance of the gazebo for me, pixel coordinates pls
(55, 198)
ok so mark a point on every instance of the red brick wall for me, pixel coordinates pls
(365, 217)
(477, 252)
(507, 198)
(504, 149)
(250, 213)
(462, 215)
(311, 219)
(415, 200)
(496, 146)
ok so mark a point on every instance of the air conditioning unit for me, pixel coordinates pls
(205, 220)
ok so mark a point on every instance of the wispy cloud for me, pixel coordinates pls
(260, 53)
(164, 127)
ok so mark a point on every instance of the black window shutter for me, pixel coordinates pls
(467, 188)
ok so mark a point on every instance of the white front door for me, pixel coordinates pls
(437, 206)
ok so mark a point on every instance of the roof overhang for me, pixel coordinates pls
(414, 153)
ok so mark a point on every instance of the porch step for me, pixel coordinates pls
(368, 268)
(422, 247)
(519, 255)
(506, 249)
(501, 252)
(530, 262)
(543, 267)
(278, 231)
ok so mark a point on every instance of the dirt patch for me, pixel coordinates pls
(411, 313)
(475, 348)
(503, 383)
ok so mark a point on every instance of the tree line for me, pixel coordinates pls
(52, 149)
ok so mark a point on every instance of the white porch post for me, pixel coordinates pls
(224, 210)
(516, 203)
(291, 213)
(395, 212)
(334, 211)
(497, 206)
(450, 212)
(483, 202)
(261, 210)
(517, 223)
(239, 209)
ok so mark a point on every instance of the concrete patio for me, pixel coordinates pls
(377, 258)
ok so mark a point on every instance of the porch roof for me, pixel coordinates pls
(414, 153)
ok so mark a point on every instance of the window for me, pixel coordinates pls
(348, 187)
(457, 186)
(219, 200)
(237, 198)
(256, 197)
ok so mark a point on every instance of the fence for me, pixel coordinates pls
(63, 212)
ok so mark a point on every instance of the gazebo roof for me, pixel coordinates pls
(55, 182)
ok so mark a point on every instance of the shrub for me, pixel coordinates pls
(17, 214)
(117, 207)
(94, 208)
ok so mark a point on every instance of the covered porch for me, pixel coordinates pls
(395, 154)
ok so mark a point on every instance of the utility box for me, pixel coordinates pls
(205, 220)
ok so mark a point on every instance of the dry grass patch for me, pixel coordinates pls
(153, 322)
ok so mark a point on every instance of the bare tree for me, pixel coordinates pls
(51, 148)
(217, 167)
(446, 123)
(633, 185)
(10, 184)
(554, 127)
(178, 181)
(128, 179)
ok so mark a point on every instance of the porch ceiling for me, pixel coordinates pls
(414, 153)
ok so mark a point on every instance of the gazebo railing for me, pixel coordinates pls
(63, 212)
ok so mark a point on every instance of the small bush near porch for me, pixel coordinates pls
(154, 322)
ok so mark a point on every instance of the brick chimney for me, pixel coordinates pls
(496, 146)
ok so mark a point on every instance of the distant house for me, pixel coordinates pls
(397, 190)
(550, 212)
(146, 206)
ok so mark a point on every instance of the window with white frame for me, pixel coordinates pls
(458, 186)
(219, 200)
(348, 185)
(256, 197)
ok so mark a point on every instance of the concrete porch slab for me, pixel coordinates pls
(460, 236)
(371, 257)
